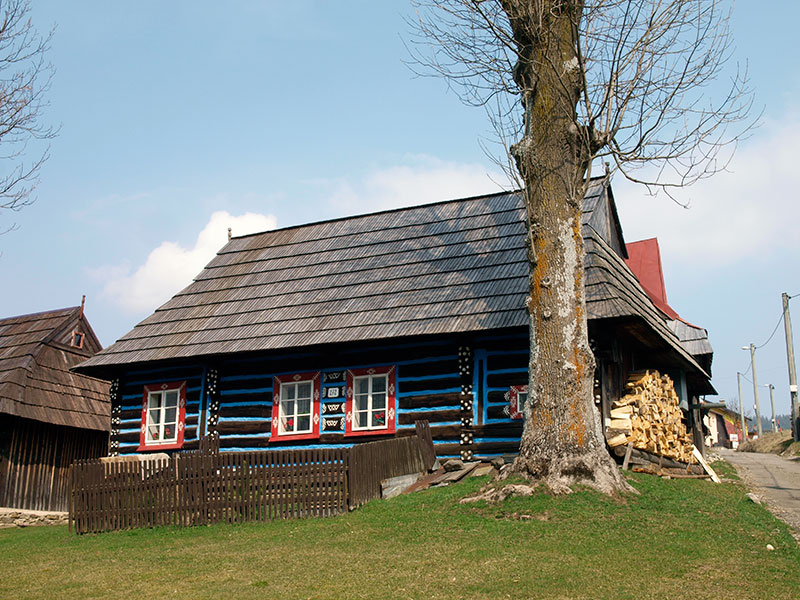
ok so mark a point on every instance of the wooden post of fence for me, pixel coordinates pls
(71, 513)
(425, 440)
(207, 487)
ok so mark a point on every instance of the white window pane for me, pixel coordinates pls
(304, 406)
(379, 418)
(155, 400)
(304, 390)
(362, 420)
(287, 408)
(379, 384)
(154, 416)
(170, 432)
(290, 392)
(378, 401)
(287, 423)
(171, 416)
(171, 399)
(361, 402)
(152, 433)
(362, 385)
(304, 423)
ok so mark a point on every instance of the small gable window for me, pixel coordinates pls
(370, 407)
(517, 398)
(163, 416)
(295, 406)
(77, 339)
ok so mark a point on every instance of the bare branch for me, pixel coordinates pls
(647, 68)
(569, 82)
(25, 78)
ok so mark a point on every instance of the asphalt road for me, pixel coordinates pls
(772, 478)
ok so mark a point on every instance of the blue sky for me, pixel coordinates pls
(181, 119)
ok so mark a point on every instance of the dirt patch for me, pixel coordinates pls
(792, 450)
(772, 443)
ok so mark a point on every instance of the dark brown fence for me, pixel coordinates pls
(198, 489)
(35, 459)
(426, 448)
(373, 462)
(203, 487)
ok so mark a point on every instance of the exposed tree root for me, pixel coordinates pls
(493, 495)
(561, 473)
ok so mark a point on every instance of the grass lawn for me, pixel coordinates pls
(677, 539)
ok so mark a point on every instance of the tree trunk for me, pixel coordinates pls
(562, 443)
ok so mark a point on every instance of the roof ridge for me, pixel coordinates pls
(376, 213)
(592, 180)
(40, 313)
(61, 328)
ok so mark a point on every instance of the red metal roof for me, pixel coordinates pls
(644, 259)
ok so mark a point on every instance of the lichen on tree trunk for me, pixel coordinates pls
(562, 443)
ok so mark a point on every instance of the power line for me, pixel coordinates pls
(749, 366)
(772, 334)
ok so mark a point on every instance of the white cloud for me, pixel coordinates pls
(749, 211)
(170, 267)
(423, 179)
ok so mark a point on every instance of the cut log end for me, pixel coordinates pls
(650, 416)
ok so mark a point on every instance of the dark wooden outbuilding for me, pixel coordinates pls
(49, 416)
(331, 333)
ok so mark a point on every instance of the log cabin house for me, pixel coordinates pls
(348, 330)
(49, 416)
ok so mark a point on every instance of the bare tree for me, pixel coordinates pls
(574, 82)
(25, 77)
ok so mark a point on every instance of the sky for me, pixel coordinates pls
(181, 119)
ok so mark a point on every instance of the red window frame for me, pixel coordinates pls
(79, 336)
(391, 403)
(514, 409)
(181, 425)
(316, 393)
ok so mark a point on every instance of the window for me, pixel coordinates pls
(295, 409)
(370, 407)
(163, 416)
(517, 398)
(295, 406)
(77, 339)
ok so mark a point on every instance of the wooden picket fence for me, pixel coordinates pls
(203, 487)
(373, 462)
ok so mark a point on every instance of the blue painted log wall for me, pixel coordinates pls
(431, 384)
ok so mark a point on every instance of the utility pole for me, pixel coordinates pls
(741, 407)
(772, 404)
(787, 325)
(755, 387)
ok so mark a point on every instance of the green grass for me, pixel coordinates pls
(677, 539)
(725, 470)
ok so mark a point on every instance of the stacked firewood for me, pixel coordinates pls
(649, 416)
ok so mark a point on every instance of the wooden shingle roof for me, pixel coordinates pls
(36, 355)
(693, 338)
(449, 267)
